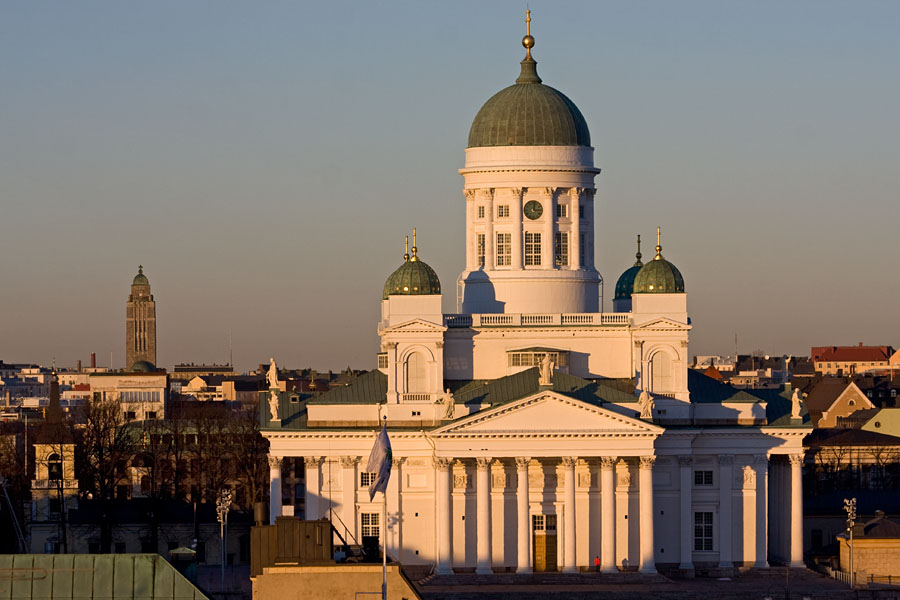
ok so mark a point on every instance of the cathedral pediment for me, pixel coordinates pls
(662, 324)
(415, 326)
(548, 413)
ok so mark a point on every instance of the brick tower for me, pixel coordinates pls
(140, 322)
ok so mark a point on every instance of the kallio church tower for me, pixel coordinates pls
(140, 322)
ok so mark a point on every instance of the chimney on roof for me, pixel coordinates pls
(93, 360)
(860, 344)
(78, 366)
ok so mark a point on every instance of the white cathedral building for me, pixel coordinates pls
(532, 431)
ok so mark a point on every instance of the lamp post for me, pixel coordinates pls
(850, 508)
(223, 504)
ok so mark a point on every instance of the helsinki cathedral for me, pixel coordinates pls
(532, 431)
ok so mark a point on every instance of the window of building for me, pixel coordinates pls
(54, 467)
(504, 249)
(562, 211)
(369, 525)
(503, 210)
(480, 212)
(538, 523)
(703, 477)
(479, 249)
(661, 373)
(366, 479)
(53, 507)
(533, 359)
(703, 531)
(415, 373)
(562, 249)
(129, 415)
(532, 248)
(382, 360)
(852, 402)
(151, 414)
(893, 393)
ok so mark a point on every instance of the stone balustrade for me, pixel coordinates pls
(531, 320)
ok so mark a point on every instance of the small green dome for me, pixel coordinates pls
(413, 278)
(658, 276)
(529, 113)
(140, 278)
(143, 366)
(625, 284)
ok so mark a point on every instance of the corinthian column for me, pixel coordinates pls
(648, 562)
(761, 464)
(515, 212)
(568, 464)
(444, 514)
(483, 516)
(608, 514)
(685, 464)
(547, 241)
(313, 487)
(523, 559)
(274, 488)
(575, 217)
(796, 510)
(725, 525)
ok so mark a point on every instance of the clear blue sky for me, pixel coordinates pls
(263, 161)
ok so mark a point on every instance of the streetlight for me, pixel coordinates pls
(850, 508)
(223, 504)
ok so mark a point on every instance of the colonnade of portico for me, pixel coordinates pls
(519, 487)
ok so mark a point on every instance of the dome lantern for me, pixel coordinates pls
(413, 277)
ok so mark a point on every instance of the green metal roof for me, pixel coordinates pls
(412, 278)
(140, 278)
(92, 576)
(658, 276)
(529, 113)
(625, 284)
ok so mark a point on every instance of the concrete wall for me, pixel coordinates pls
(331, 581)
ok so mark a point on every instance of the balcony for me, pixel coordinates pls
(536, 320)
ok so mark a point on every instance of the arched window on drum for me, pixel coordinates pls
(661, 374)
(415, 373)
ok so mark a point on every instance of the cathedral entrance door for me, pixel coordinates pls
(543, 533)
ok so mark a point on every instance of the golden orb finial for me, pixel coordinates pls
(528, 41)
(406, 253)
(415, 249)
(658, 247)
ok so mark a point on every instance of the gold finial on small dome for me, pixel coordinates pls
(140, 269)
(406, 253)
(528, 41)
(415, 249)
(658, 247)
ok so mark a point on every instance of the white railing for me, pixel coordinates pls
(51, 484)
(416, 397)
(531, 320)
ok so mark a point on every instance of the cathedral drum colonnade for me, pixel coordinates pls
(531, 430)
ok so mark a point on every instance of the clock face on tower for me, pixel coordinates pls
(533, 209)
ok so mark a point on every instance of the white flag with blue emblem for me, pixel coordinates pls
(380, 463)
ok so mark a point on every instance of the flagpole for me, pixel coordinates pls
(384, 545)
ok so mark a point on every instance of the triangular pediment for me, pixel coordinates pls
(416, 326)
(548, 413)
(665, 324)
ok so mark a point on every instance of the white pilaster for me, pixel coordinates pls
(471, 258)
(515, 212)
(444, 475)
(523, 561)
(350, 483)
(483, 515)
(313, 486)
(568, 464)
(490, 252)
(274, 488)
(725, 525)
(574, 237)
(547, 258)
(761, 464)
(796, 461)
(608, 514)
(648, 561)
(685, 464)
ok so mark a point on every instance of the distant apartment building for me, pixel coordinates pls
(850, 360)
(140, 394)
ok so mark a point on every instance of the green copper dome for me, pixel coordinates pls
(658, 276)
(140, 278)
(529, 113)
(625, 284)
(413, 278)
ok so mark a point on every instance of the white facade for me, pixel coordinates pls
(505, 462)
